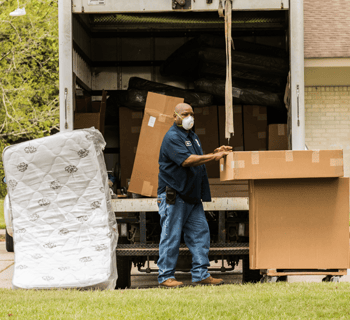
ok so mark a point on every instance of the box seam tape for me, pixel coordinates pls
(155, 113)
(147, 188)
(336, 162)
(280, 130)
(315, 156)
(289, 156)
(255, 157)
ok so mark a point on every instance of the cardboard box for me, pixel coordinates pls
(226, 189)
(282, 164)
(82, 104)
(255, 128)
(277, 137)
(95, 117)
(129, 131)
(157, 120)
(206, 127)
(299, 224)
(236, 142)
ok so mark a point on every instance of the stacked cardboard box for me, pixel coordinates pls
(228, 189)
(298, 207)
(90, 114)
(82, 104)
(255, 128)
(257, 135)
(277, 137)
(236, 141)
(206, 127)
(129, 130)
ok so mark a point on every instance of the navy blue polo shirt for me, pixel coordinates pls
(191, 183)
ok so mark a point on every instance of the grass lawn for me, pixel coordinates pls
(260, 301)
(2, 219)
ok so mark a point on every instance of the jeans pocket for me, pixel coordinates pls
(161, 204)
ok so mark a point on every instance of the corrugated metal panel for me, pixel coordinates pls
(81, 69)
(188, 19)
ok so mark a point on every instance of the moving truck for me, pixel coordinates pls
(103, 43)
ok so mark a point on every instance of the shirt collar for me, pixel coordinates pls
(183, 132)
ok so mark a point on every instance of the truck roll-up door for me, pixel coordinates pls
(106, 6)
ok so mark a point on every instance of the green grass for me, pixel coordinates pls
(2, 218)
(260, 301)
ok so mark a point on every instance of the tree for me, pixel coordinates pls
(29, 106)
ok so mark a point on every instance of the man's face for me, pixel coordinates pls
(184, 110)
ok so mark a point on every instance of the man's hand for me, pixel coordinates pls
(219, 155)
(222, 148)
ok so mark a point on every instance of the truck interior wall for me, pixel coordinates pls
(82, 70)
(81, 37)
(139, 49)
(131, 49)
(82, 52)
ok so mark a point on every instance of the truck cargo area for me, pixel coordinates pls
(111, 49)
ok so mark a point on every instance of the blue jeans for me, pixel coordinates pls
(189, 218)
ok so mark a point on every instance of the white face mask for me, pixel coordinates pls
(187, 123)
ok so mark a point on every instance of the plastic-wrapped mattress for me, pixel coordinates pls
(65, 231)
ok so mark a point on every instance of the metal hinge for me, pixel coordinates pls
(181, 4)
(65, 107)
(298, 112)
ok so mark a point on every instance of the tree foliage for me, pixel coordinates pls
(29, 106)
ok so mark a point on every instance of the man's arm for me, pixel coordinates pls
(223, 148)
(195, 160)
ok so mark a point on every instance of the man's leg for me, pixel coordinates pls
(171, 221)
(197, 239)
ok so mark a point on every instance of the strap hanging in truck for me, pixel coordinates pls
(229, 129)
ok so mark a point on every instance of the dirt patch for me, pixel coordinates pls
(2, 238)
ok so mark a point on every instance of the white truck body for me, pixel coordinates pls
(79, 47)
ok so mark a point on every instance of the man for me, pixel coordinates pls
(183, 185)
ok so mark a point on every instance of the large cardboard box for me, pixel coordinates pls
(129, 129)
(83, 104)
(299, 224)
(282, 164)
(157, 120)
(277, 137)
(255, 128)
(206, 127)
(228, 189)
(236, 141)
(95, 115)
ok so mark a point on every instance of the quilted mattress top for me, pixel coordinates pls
(65, 232)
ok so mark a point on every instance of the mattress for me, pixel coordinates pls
(65, 232)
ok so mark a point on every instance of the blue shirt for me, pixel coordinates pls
(191, 183)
